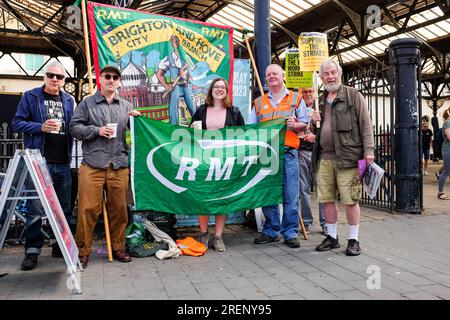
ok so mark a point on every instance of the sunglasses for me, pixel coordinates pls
(51, 75)
(108, 77)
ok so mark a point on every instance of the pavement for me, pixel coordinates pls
(404, 257)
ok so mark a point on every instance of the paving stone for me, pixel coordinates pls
(248, 293)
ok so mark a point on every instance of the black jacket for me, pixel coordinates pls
(233, 117)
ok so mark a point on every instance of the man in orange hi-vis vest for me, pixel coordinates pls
(281, 102)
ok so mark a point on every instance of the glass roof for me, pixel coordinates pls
(239, 14)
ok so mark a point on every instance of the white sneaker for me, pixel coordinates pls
(425, 173)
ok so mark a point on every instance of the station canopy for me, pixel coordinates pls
(358, 31)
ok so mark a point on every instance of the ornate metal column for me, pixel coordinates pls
(405, 56)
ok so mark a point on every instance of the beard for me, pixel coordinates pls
(333, 87)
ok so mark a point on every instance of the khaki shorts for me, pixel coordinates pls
(331, 182)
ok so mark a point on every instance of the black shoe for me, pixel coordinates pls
(30, 261)
(353, 248)
(292, 243)
(265, 239)
(56, 251)
(328, 243)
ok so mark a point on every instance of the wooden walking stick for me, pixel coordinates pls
(107, 235)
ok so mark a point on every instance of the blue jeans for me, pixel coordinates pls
(180, 90)
(445, 170)
(289, 224)
(305, 178)
(60, 173)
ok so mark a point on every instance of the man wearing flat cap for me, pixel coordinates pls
(100, 122)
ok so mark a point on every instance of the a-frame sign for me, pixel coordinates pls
(14, 188)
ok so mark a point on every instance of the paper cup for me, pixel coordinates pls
(197, 125)
(58, 122)
(114, 126)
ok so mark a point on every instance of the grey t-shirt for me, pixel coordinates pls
(446, 143)
(327, 151)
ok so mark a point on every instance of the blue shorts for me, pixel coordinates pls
(426, 154)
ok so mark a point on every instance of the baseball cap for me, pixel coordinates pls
(109, 68)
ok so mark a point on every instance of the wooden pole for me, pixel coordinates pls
(91, 91)
(255, 70)
(86, 46)
(107, 234)
(316, 99)
(302, 226)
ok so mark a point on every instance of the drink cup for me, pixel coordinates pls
(197, 125)
(114, 127)
(58, 123)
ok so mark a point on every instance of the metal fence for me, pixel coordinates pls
(374, 84)
(9, 143)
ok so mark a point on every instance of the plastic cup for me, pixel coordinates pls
(114, 127)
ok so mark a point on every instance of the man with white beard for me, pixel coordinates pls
(344, 137)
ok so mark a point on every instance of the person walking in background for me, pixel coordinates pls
(427, 136)
(306, 175)
(216, 113)
(345, 136)
(43, 115)
(445, 155)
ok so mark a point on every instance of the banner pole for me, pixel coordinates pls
(316, 98)
(255, 70)
(86, 46)
(107, 233)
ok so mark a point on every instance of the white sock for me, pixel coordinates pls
(353, 230)
(332, 230)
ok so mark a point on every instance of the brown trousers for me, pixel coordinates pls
(91, 182)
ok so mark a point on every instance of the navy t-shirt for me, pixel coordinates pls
(426, 138)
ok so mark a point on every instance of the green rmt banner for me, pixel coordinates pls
(190, 171)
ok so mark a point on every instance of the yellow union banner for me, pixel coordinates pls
(313, 47)
(142, 33)
(120, 34)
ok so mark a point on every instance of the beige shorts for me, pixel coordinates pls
(332, 181)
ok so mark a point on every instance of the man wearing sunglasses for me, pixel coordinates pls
(43, 115)
(100, 121)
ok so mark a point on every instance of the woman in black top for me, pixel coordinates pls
(216, 113)
(427, 134)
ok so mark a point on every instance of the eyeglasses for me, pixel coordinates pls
(109, 76)
(51, 75)
(220, 87)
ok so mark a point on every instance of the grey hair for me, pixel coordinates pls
(326, 63)
(55, 64)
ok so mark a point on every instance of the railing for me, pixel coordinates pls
(374, 85)
(9, 143)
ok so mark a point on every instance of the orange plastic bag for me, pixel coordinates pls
(191, 247)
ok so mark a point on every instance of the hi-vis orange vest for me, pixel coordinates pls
(266, 111)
